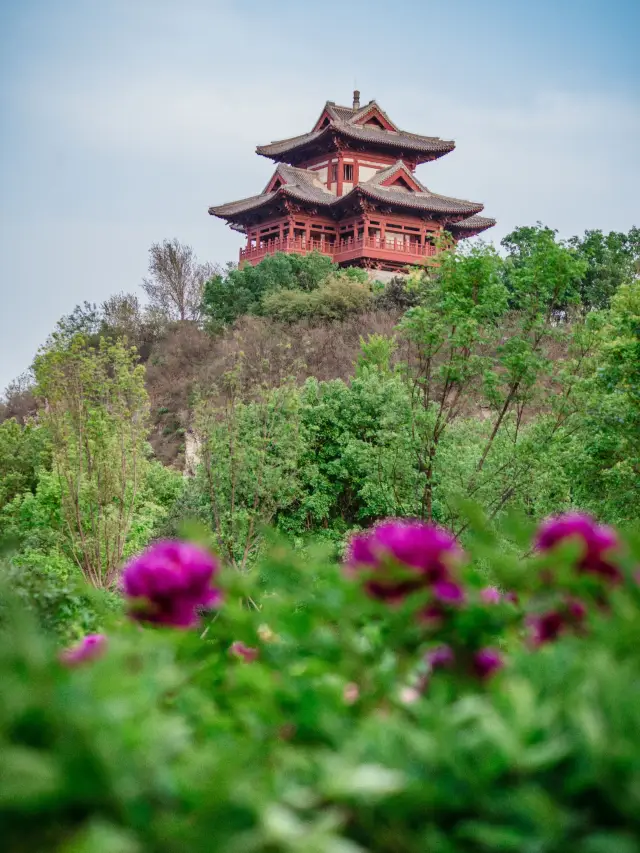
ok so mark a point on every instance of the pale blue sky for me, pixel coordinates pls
(122, 121)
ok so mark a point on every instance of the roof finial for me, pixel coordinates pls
(356, 99)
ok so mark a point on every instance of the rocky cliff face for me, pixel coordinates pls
(191, 453)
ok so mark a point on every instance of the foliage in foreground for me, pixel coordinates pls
(312, 720)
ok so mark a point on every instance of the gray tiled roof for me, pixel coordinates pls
(400, 139)
(341, 113)
(424, 200)
(473, 223)
(303, 185)
(344, 122)
(373, 105)
(233, 208)
(303, 178)
(398, 166)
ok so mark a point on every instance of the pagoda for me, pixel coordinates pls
(348, 189)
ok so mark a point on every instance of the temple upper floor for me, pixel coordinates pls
(357, 129)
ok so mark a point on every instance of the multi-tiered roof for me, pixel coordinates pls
(368, 128)
(355, 164)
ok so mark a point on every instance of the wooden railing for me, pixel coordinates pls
(352, 247)
(386, 246)
(298, 246)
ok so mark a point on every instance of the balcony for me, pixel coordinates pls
(297, 246)
(394, 252)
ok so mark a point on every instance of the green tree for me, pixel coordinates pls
(23, 451)
(604, 462)
(240, 291)
(543, 274)
(249, 455)
(608, 260)
(95, 409)
(612, 260)
(356, 451)
(449, 335)
(471, 356)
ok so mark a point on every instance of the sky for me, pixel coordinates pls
(121, 122)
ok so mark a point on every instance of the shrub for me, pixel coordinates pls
(336, 299)
(51, 587)
(24, 449)
(242, 290)
(397, 294)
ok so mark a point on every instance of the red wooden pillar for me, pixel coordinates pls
(340, 174)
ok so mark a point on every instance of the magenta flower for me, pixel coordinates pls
(432, 616)
(546, 627)
(491, 595)
(247, 653)
(597, 541)
(89, 648)
(170, 583)
(487, 662)
(440, 657)
(576, 610)
(401, 557)
(448, 592)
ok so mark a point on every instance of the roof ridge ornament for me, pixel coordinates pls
(356, 99)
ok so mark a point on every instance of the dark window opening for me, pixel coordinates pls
(334, 173)
(348, 172)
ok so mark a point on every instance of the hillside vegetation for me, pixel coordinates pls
(297, 675)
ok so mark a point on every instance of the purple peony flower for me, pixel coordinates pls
(491, 595)
(432, 616)
(596, 541)
(401, 557)
(487, 662)
(440, 657)
(170, 583)
(247, 653)
(89, 648)
(546, 627)
(576, 610)
(448, 592)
